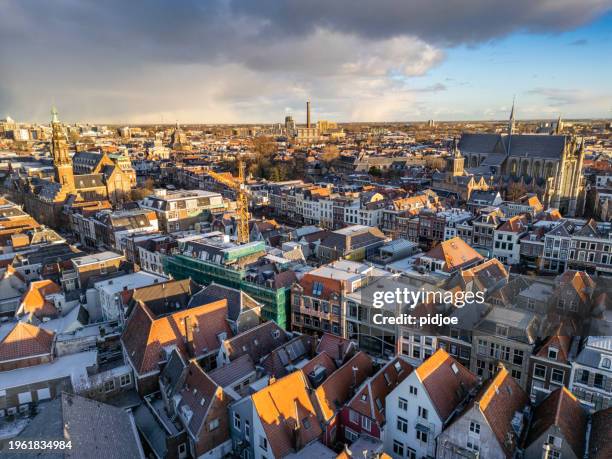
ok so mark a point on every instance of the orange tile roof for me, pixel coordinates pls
(26, 340)
(516, 224)
(447, 382)
(145, 336)
(34, 301)
(498, 401)
(455, 253)
(283, 407)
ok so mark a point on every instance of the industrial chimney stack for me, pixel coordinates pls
(308, 114)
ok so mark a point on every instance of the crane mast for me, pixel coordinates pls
(242, 200)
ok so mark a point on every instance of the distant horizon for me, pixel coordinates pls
(190, 123)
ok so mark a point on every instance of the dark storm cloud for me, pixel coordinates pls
(243, 58)
(439, 21)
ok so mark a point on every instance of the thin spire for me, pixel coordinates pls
(54, 117)
(511, 121)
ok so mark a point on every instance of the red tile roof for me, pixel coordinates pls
(336, 389)
(145, 336)
(373, 393)
(600, 440)
(330, 286)
(335, 346)
(447, 382)
(562, 409)
(26, 340)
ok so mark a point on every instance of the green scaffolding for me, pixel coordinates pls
(275, 301)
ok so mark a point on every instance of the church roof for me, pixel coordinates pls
(516, 145)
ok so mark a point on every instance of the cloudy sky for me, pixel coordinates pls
(230, 61)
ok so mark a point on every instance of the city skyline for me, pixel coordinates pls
(227, 62)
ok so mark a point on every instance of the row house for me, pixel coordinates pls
(506, 336)
(400, 209)
(557, 244)
(591, 248)
(418, 409)
(317, 299)
(483, 230)
(591, 375)
(507, 237)
(365, 413)
(491, 425)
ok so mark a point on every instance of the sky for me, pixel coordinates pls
(256, 61)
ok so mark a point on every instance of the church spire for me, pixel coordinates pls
(511, 120)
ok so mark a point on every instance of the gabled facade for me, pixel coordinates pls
(420, 406)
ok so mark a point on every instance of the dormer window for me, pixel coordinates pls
(553, 353)
(606, 363)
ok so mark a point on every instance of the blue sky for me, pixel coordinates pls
(255, 61)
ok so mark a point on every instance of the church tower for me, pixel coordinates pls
(511, 121)
(457, 161)
(61, 160)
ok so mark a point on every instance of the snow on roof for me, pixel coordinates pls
(73, 366)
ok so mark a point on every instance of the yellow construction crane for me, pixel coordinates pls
(242, 199)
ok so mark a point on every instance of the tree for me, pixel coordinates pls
(264, 146)
(330, 153)
(375, 171)
(515, 191)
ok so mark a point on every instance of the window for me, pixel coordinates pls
(398, 448)
(366, 423)
(474, 428)
(410, 453)
(605, 363)
(599, 381)
(472, 445)
(402, 424)
(423, 413)
(263, 443)
(518, 357)
(213, 425)
(350, 435)
(555, 441)
(539, 371)
(182, 449)
(421, 436)
(402, 404)
(247, 428)
(354, 417)
(125, 380)
(237, 424)
(584, 377)
(109, 385)
(553, 353)
(413, 390)
(516, 375)
(317, 288)
(557, 376)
